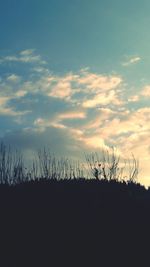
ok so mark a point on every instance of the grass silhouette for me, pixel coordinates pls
(45, 165)
(74, 221)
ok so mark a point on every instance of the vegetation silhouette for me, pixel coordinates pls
(45, 165)
(74, 221)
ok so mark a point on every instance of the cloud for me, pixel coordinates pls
(103, 115)
(72, 115)
(71, 87)
(127, 130)
(94, 142)
(27, 52)
(138, 143)
(134, 60)
(13, 78)
(131, 61)
(10, 112)
(6, 107)
(20, 93)
(57, 120)
(42, 124)
(134, 98)
(127, 123)
(98, 82)
(79, 91)
(61, 90)
(81, 83)
(25, 56)
(6, 110)
(103, 99)
(146, 91)
(72, 112)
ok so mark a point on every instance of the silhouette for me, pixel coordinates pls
(72, 222)
(75, 222)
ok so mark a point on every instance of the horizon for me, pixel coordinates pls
(75, 77)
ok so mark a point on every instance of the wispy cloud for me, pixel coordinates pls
(7, 110)
(25, 56)
(72, 115)
(58, 120)
(131, 61)
(13, 78)
(8, 94)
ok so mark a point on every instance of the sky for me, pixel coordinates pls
(74, 76)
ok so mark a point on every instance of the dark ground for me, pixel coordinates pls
(74, 223)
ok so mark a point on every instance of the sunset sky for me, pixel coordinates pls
(75, 76)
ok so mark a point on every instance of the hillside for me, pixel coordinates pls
(74, 223)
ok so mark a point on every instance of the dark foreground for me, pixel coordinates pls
(74, 223)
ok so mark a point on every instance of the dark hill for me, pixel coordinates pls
(74, 223)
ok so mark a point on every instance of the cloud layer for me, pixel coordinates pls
(72, 112)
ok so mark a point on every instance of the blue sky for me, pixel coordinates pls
(74, 75)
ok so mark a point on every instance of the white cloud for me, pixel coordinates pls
(72, 115)
(98, 82)
(85, 89)
(103, 99)
(26, 56)
(127, 123)
(132, 61)
(13, 78)
(27, 52)
(82, 83)
(61, 90)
